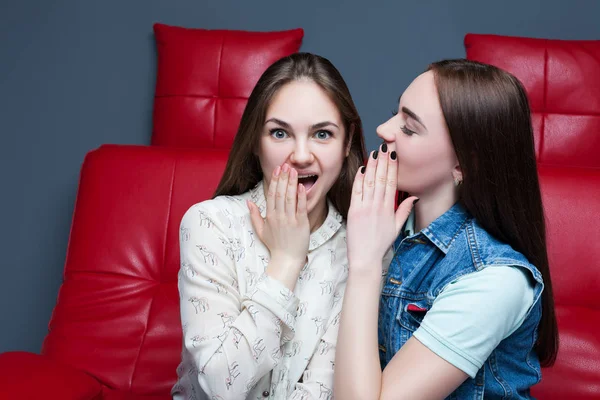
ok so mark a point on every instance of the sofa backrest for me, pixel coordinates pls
(204, 78)
(562, 79)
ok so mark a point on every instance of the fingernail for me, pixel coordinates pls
(384, 148)
(393, 155)
(277, 171)
(415, 202)
(362, 170)
(375, 153)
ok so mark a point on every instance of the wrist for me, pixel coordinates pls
(365, 270)
(286, 262)
(285, 270)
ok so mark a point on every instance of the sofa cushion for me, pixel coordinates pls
(117, 314)
(570, 197)
(31, 376)
(562, 79)
(204, 79)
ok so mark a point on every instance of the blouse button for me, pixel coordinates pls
(266, 393)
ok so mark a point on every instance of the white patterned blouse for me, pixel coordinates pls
(245, 335)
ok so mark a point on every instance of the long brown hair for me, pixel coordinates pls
(243, 170)
(489, 121)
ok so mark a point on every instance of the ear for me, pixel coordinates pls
(350, 137)
(457, 174)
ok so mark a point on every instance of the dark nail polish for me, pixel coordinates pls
(393, 155)
(415, 202)
(375, 153)
(384, 148)
(362, 169)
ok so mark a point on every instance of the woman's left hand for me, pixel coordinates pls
(373, 225)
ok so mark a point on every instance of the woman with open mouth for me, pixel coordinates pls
(263, 264)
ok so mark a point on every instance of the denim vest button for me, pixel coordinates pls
(395, 281)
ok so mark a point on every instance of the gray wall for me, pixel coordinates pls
(75, 74)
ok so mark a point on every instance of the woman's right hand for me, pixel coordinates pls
(285, 231)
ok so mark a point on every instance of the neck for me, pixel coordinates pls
(432, 205)
(317, 216)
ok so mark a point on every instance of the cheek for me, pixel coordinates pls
(332, 159)
(271, 156)
(424, 162)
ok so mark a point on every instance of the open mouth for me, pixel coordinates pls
(307, 180)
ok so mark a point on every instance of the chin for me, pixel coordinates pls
(310, 206)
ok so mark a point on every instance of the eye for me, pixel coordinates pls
(278, 133)
(407, 131)
(323, 135)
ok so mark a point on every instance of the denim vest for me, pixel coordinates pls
(424, 263)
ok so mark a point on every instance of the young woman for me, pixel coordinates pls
(466, 309)
(263, 264)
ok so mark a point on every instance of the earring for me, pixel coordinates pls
(458, 181)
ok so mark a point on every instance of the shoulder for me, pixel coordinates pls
(216, 210)
(492, 282)
(487, 250)
(507, 290)
(494, 295)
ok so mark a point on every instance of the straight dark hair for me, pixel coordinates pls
(243, 170)
(489, 121)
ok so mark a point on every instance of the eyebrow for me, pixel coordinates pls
(414, 116)
(285, 125)
(411, 114)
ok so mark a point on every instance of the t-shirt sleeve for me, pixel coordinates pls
(474, 313)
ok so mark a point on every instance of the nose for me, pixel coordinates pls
(386, 132)
(302, 154)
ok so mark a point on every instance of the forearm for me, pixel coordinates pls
(232, 352)
(242, 354)
(357, 367)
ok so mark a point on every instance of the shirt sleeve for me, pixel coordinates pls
(317, 379)
(234, 340)
(473, 314)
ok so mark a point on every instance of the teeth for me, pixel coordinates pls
(305, 176)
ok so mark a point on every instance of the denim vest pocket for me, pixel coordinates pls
(411, 314)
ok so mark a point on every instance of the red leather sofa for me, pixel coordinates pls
(562, 79)
(115, 331)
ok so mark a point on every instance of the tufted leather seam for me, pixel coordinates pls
(555, 164)
(569, 114)
(214, 131)
(160, 277)
(544, 104)
(201, 96)
(137, 358)
(96, 274)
